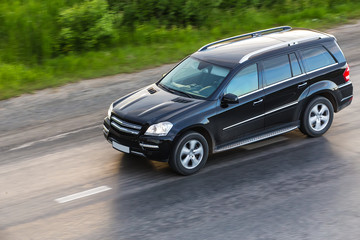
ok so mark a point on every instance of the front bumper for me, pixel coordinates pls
(151, 147)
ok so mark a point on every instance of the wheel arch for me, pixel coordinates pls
(201, 130)
(325, 88)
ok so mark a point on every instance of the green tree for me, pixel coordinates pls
(86, 26)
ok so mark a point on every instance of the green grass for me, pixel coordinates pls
(149, 46)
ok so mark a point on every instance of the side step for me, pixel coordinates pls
(255, 139)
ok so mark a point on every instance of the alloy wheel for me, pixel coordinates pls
(319, 117)
(191, 154)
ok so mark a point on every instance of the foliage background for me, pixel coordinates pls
(45, 43)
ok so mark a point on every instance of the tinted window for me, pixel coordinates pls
(195, 77)
(334, 49)
(276, 69)
(296, 70)
(244, 82)
(315, 58)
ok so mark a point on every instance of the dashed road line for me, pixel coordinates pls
(82, 194)
(53, 138)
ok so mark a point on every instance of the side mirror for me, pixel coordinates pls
(229, 98)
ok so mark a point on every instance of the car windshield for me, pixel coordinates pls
(194, 78)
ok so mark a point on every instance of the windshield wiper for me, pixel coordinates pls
(175, 91)
(166, 88)
(183, 93)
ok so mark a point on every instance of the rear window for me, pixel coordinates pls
(334, 48)
(316, 57)
(296, 70)
(276, 69)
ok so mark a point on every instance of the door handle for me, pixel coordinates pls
(258, 101)
(302, 85)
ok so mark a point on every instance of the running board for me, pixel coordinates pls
(255, 139)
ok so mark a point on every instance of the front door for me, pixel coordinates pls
(239, 120)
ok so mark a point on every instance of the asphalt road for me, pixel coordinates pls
(288, 187)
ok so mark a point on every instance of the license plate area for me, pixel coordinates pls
(120, 147)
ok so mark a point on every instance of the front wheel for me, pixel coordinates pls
(317, 118)
(189, 154)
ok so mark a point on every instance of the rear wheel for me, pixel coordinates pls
(189, 154)
(317, 118)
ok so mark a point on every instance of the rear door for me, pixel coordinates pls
(284, 81)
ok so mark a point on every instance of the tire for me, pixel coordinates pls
(189, 154)
(318, 117)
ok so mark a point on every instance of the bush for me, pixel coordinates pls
(86, 26)
(17, 79)
(27, 30)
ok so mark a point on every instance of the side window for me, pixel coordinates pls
(244, 81)
(276, 69)
(296, 70)
(315, 58)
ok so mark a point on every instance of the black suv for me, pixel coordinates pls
(234, 92)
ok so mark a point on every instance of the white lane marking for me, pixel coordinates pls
(49, 139)
(82, 194)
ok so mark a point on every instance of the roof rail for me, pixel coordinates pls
(252, 34)
(280, 45)
(317, 31)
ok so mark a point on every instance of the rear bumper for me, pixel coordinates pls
(346, 93)
(151, 147)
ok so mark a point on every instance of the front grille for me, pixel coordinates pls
(124, 126)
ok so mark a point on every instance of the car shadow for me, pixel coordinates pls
(183, 202)
(132, 164)
(260, 148)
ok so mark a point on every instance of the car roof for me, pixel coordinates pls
(230, 53)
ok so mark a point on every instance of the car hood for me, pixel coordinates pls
(153, 104)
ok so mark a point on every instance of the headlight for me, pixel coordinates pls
(159, 129)
(110, 110)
